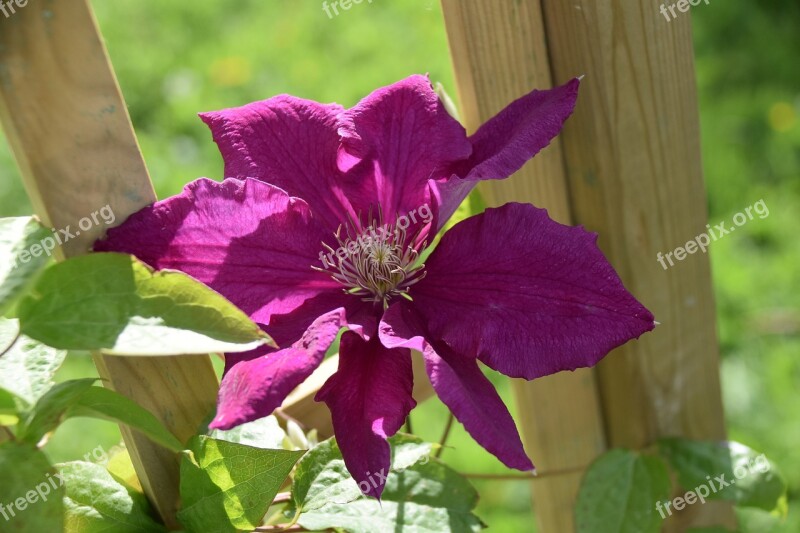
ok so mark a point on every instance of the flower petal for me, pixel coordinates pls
(289, 142)
(460, 385)
(406, 137)
(474, 402)
(247, 240)
(507, 141)
(369, 398)
(527, 296)
(254, 389)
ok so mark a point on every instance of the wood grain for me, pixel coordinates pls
(632, 151)
(70, 133)
(499, 54)
(628, 166)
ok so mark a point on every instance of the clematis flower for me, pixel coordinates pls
(321, 224)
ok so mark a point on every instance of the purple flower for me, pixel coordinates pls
(321, 225)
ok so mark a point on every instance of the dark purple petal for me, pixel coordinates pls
(362, 318)
(285, 329)
(369, 398)
(289, 142)
(254, 389)
(403, 327)
(247, 240)
(460, 385)
(528, 296)
(402, 136)
(473, 400)
(507, 141)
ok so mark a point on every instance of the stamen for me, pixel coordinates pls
(381, 261)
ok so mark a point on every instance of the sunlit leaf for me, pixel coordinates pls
(25, 247)
(228, 487)
(95, 502)
(30, 492)
(115, 303)
(27, 367)
(421, 493)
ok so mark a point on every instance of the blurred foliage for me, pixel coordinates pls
(175, 59)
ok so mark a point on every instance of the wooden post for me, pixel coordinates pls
(70, 132)
(635, 176)
(631, 166)
(69, 129)
(499, 54)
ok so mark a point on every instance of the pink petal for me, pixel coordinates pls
(507, 141)
(475, 403)
(247, 240)
(289, 142)
(527, 296)
(254, 389)
(369, 398)
(403, 136)
(460, 385)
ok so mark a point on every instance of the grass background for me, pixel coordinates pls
(176, 59)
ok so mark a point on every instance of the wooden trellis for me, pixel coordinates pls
(627, 165)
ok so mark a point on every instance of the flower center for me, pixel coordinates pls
(375, 263)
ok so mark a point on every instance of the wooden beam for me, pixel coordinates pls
(70, 132)
(635, 173)
(499, 54)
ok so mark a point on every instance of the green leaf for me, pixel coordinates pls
(229, 487)
(262, 433)
(755, 520)
(619, 494)
(322, 476)
(80, 398)
(106, 404)
(27, 367)
(8, 409)
(30, 492)
(115, 303)
(408, 450)
(727, 471)
(22, 255)
(95, 502)
(423, 495)
(51, 409)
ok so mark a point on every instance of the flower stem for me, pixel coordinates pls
(525, 476)
(520, 477)
(408, 425)
(446, 434)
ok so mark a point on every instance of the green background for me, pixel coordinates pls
(176, 59)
